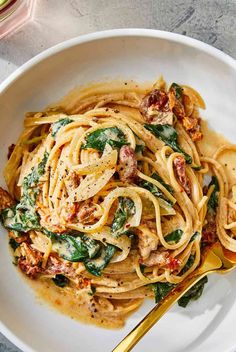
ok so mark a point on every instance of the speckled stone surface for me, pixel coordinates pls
(208, 20)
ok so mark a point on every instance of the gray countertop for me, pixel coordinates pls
(212, 21)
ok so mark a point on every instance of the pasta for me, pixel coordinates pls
(110, 200)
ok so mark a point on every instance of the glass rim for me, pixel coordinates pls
(9, 9)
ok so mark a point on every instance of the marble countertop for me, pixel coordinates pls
(212, 21)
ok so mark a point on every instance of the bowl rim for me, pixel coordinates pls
(114, 33)
(94, 36)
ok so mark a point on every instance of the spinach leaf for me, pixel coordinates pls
(125, 209)
(33, 178)
(23, 216)
(168, 135)
(93, 246)
(20, 219)
(70, 248)
(13, 244)
(75, 249)
(174, 236)
(154, 189)
(98, 139)
(59, 124)
(177, 89)
(96, 265)
(213, 200)
(195, 235)
(159, 179)
(161, 289)
(60, 280)
(193, 293)
(140, 145)
(188, 265)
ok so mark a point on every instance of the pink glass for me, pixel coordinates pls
(13, 14)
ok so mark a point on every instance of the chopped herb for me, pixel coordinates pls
(59, 124)
(168, 135)
(98, 139)
(125, 209)
(193, 293)
(174, 236)
(60, 280)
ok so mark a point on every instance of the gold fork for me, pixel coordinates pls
(216, 259)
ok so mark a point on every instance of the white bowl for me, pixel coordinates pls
(140, 54)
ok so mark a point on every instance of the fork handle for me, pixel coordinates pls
(156, 313)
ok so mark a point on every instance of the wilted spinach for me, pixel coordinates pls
(97, 264)
(125, 209)
(174, 236)
(161, 289)
(177, 89)
(168, 135)
(98, 139)
(193, 293)
(213, 200)
(155, 190)
(23, 216)
(188, 265)
(194, 236)
(77, 247)
(58, 125)
(159, 179)
(13, 244)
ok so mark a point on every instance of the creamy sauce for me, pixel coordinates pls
(69, 304)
